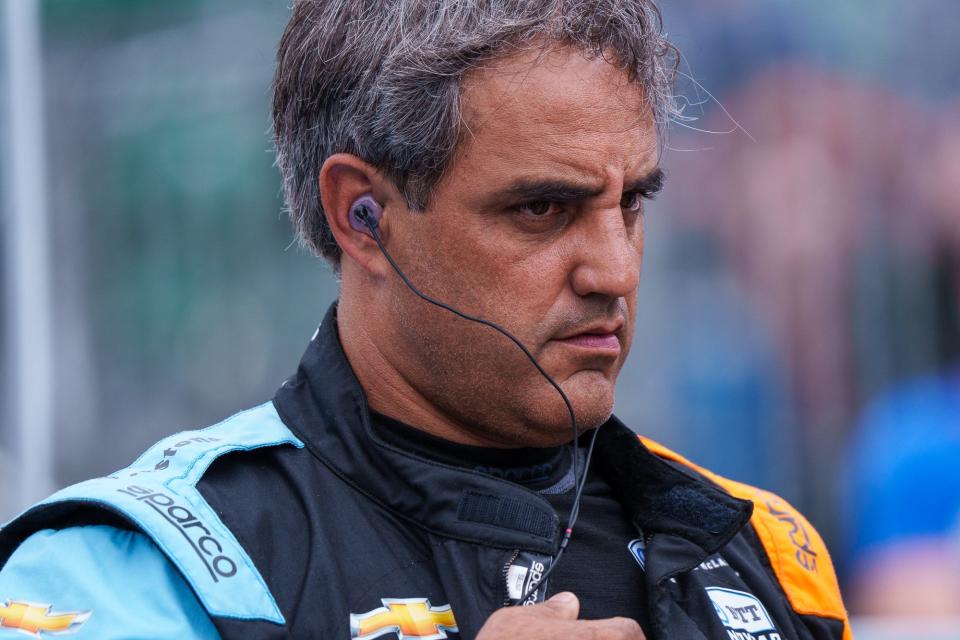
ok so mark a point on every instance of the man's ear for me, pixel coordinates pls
(343, 179)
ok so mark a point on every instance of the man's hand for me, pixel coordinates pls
(556, 618)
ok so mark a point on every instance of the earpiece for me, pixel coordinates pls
(365, 214)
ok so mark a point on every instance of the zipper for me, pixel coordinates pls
(503, 577)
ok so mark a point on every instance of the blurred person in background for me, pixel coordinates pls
(903, 485)
(841, 220)
(415, 474)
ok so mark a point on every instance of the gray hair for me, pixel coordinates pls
(381, 79)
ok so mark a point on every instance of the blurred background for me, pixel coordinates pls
(799, 323)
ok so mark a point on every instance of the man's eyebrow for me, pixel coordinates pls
(550, 190)
(649, 184)
(526, 190)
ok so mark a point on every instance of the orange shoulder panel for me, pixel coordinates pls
(797, 552)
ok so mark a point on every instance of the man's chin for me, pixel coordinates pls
(591, 390)
(591, 393)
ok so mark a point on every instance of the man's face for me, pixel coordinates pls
(537, 226)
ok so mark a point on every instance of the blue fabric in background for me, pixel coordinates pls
(904, 473)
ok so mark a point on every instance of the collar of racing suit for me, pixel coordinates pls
(326, 407)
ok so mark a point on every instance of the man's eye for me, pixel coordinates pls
(632, 201)
(538, 209)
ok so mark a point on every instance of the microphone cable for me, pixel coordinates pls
(580, 479)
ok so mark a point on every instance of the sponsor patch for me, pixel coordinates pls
(525, 574)
(742, 614)
(36, 620)
(638, 549)
(405, 617)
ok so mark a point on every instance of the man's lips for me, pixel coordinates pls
(603, 336)
(607, 341)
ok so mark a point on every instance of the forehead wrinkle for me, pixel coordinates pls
(586, 135)
(578, 148)
(573, 115)
(581, 139)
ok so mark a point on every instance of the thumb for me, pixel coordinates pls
(564, 604)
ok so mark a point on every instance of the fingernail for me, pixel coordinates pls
(564, 597)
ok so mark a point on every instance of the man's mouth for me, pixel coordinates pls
(603, 337)
(608, 341)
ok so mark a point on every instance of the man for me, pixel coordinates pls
(416, 476)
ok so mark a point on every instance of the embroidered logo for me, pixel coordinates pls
(806, 556)
(406, 617)
(35, 619)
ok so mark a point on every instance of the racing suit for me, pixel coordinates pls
(294, 520)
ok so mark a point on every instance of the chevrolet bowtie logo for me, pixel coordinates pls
(35, 619)
(406, 617)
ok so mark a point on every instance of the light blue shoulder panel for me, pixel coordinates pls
(158, 492)
(78, 581)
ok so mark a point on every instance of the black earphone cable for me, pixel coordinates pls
(580, 479)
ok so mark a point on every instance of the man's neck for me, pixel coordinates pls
(390, 394)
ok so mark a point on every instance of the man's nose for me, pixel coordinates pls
(609, 255)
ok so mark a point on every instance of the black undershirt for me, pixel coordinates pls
(597, 565)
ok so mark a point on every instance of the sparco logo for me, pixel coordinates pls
(204, 544)
(523, 575)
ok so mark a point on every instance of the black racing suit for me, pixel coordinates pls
(356, 537)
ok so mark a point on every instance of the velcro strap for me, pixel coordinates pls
(505, 512)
